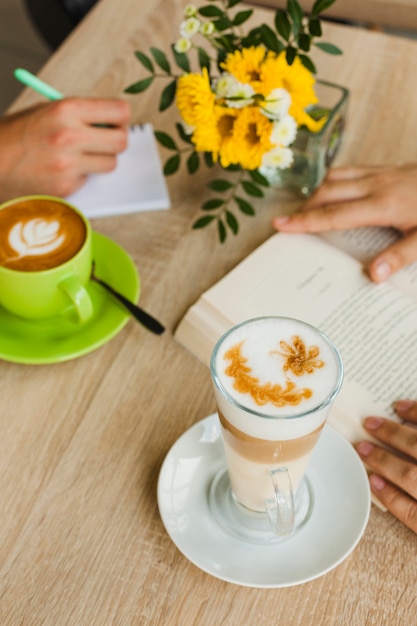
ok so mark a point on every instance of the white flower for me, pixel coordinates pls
(237, 95)
(284, 131)
(276, 105)
(207, 29)
(190, 10)
(188, 129)
(190, 27)
(279, 157)
(183, 45)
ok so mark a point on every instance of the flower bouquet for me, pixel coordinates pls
(242, 108)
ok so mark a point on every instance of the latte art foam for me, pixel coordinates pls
(275, 367)
(35, 237)
(38, 234)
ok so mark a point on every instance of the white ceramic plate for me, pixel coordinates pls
(341, 511)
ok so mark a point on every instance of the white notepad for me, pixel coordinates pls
(136, 184)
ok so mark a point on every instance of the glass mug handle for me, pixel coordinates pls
(281, 509)
(79, 297)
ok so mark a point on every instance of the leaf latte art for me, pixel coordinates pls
(39, 233)
(35, 237)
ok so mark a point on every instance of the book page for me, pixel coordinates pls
(136, 184)
(364, 243)
(373, 326)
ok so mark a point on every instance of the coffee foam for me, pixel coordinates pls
(39, 233)
(265, 357)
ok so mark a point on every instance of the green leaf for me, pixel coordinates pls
(168, 95)
(233, 3)
(308, 63)
(193, 163)
(161, 60)
(182, 133)
(181, 60)
(252, 189)
(296, 13)
(304, 41)
(172, 165)
(329, 48)
(145, 60)
(165, 140)
(213, 203)
(242, 17)
(211, 11)
(314, 27)
(258, 178)
(244, 206)
(232, 222)
(290, 54)
(321, 5)
(221, 231)
(222, 24)
(270, 39)
(227, 42)
(203, 59)
(208, 158)
(220, 185)
(202, 222)
(282, 24)
(140, 85)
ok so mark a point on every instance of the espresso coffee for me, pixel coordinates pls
(39, 234)
(275, 379)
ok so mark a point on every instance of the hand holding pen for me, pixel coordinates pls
(51, 148)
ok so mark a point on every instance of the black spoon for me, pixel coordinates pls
(144, 318)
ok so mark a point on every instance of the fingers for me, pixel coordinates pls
(398, 255)
(407, 410)
(353, 212)
(350, 173)
(401, 505)
(399, 436)
(394, 478)
(93, 110)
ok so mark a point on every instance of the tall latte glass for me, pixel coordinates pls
(275, 380)
(45, 259)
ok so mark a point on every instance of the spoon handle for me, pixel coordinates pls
(142, 316)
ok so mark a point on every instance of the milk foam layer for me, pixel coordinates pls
(261, 344)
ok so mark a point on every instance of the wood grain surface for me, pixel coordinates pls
(82, 442)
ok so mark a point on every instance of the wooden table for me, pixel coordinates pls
(82, 442)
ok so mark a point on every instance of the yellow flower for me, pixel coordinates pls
(249, 140)
(265, 72)
(247, 66)
(194, 98)
(216, 131)
(299, 82)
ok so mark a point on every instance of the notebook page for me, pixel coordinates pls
(136, 184)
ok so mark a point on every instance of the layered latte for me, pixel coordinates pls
(275, 379)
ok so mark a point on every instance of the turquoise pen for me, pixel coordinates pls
(37, 84)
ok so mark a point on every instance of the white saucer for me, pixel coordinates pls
(341, 510)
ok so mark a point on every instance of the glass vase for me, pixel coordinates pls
(314, 152)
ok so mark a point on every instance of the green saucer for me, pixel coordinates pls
(58, 339)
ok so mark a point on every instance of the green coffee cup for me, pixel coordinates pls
(45, 259)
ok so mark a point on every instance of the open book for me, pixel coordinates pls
(136, 184)
(320, 279)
